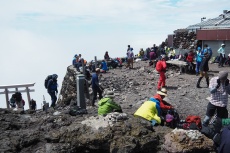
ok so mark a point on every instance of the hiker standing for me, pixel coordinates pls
(189, 60)
(161, 68)
(221, 51)
(52, 89)
(13, 101)
(198, 60)
(204, 70)
(219, 89)
(130, 57)
(96, 86)
(106, 56)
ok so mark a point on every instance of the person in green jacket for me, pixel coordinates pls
(107, 105)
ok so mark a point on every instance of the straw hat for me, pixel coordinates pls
(109, 94)
(163, 92)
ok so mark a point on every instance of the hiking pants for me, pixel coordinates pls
(198, 67)
(222, 112)
(95, 91)
(161, 81)
(53, 98)
(222, 59)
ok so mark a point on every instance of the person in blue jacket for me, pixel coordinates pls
(104, 66)
(95, 86)
(52, 89)
(198, 60)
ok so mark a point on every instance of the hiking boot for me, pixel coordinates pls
(198, 82)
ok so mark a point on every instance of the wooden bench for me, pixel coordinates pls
(181, 64)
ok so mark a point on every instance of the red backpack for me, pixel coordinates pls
(193, 122)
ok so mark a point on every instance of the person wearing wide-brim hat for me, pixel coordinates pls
(164, 105)
(107, 105)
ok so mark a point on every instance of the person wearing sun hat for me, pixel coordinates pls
(107, 105)
(160, 95)
(219, 89)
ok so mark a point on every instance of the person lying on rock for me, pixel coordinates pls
(107, 105)
(150, 110)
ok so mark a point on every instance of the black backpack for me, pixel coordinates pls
(18, 96)
(47, 79)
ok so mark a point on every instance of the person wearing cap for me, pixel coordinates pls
(161, 68)
(107, 105)
(95, 86)
(221, 52)
(219, 89)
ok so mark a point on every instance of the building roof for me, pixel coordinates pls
(220, 22)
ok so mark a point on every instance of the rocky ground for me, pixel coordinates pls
(57, 131)
(137, 85)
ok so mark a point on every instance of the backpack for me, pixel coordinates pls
(46, 80)
(172, 119)
(18, 96)
(193, 122)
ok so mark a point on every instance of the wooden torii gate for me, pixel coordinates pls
(7, 92)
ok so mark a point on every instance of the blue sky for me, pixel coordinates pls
(40, 37)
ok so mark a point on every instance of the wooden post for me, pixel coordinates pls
(95, 58)
(28, 96)
(7, 98)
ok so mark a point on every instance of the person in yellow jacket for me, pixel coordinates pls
(150, 111)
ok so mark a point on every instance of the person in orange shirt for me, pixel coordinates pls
(161, 68)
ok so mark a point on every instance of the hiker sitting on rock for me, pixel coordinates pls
(104, 66)
(161, 97)
(107, 105)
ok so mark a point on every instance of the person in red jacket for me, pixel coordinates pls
(161, 68)
(160, 95)
(189, 60)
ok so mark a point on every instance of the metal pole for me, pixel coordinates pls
(80, 91)
(28, 96)
(95, 61)
(7, 98)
